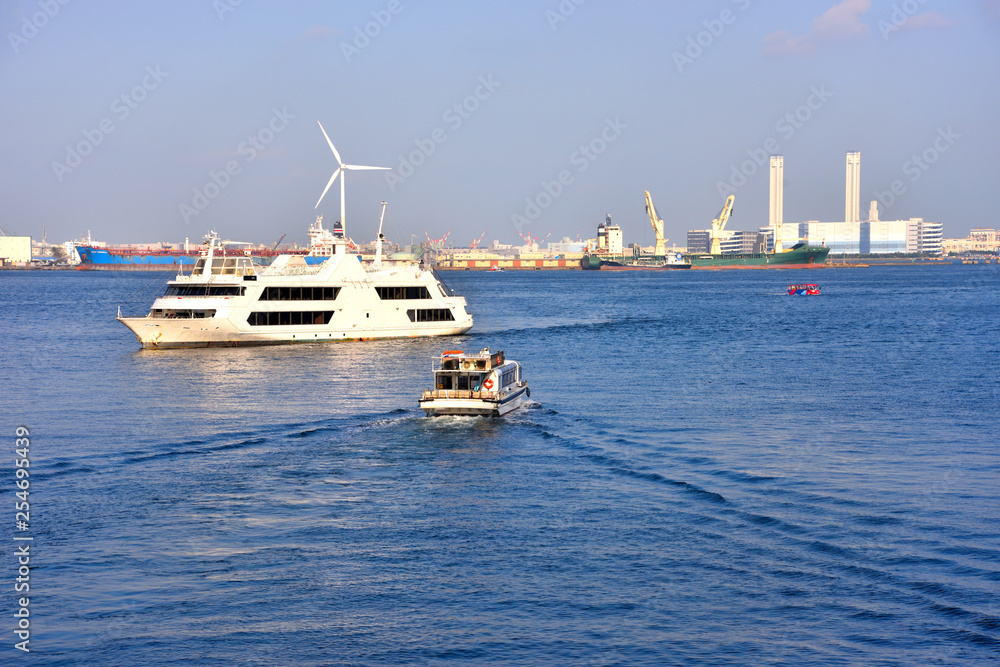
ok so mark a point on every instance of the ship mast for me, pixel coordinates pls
(378, 244)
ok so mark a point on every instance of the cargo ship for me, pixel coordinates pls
(619, 263)
(797, 257)
(94, 258)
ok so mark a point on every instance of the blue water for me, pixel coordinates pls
(712, 472)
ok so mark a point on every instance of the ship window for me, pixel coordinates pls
(415, 292)
(430, 315)
(289, 318)
(217, 266)
(444, 381)
(463, 382)
(229, 267)
(299, 293)
(205, 290)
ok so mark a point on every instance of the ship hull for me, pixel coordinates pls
(797, 258)
(160, 334)
(111, 259)
(474, 407)
(598, 263)
(616, 266)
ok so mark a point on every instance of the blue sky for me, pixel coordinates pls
(536, 117)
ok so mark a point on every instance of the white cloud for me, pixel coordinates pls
(840, 22)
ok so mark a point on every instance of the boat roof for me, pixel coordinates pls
(484, 360)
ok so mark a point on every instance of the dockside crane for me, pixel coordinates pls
(660, 249)
(529, 240)
(437, 244)
(278, 242)
(719, 225)
(475, 244)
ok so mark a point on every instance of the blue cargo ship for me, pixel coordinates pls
(113, 259)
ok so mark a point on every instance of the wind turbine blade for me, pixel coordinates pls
(332, 179)
(335, 153)
(356, 166)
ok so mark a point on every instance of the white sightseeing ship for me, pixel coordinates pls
(228, 300)
(483, 384)
(331, 294)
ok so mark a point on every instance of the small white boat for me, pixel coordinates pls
(483, 384)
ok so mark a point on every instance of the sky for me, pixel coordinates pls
(154, 121)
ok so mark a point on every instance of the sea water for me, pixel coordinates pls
(710, 471)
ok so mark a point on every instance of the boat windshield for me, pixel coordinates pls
(473, 381)
(226, 266)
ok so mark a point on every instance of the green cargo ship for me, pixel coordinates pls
(798, 256)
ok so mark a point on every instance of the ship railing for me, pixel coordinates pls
(292, 271)
(434, 394)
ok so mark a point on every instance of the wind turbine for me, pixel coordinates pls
(340, 172)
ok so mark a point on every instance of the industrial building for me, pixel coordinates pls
(15, 250)
(699, 240)
(982, 240)
(852, 236)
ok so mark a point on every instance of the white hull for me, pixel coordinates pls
(492, 407)
(153, 333)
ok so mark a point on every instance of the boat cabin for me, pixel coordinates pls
(224, 266)
(485, 371)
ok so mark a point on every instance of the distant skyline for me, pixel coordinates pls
(155, 122)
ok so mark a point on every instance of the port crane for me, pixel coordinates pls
(719, 225)
(278, 242)
(437, 244)
(533, 241)
(475, 244)
(661, 243)
(528, 239)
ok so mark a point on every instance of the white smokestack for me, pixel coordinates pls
(852, 205)
(776, 204)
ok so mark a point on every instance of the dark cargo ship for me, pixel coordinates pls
(798, 256)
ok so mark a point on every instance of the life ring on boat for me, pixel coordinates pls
(488, 384)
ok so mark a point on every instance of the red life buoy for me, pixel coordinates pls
(488, 384)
